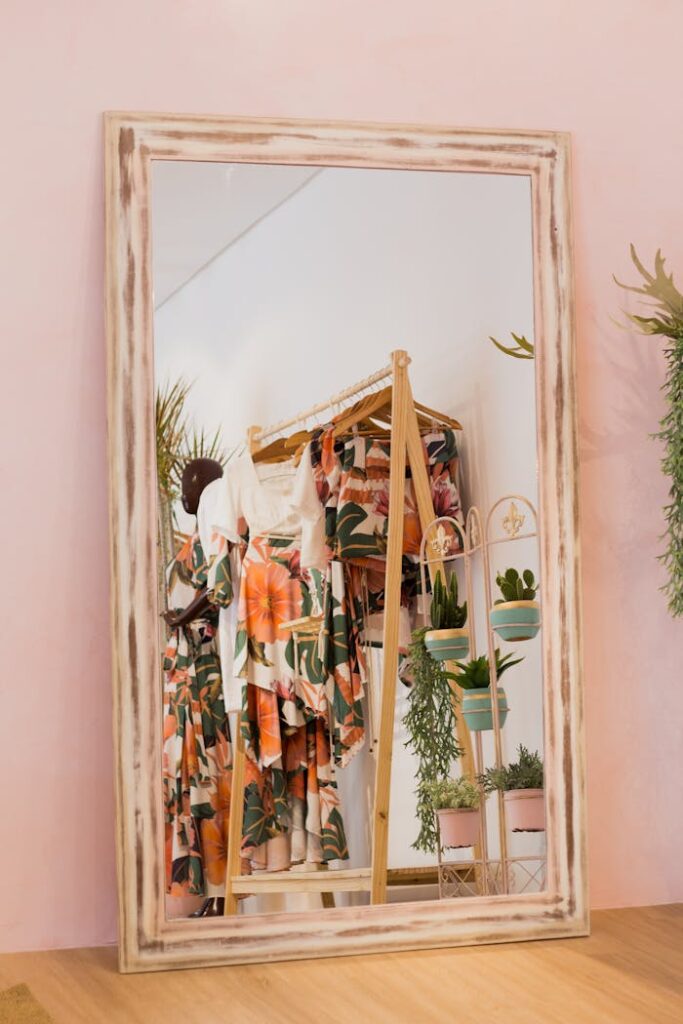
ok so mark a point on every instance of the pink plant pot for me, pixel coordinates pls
(525, 810)
(459, 826)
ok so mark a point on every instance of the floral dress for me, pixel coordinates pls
(287, 695)
(196, 747)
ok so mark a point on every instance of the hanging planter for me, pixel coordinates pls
(449, 639)
(521, 784)
(475, 680)
(456, 805)
(516, 616)
(459, 827)
(525, 810)
(448, 644)
(478, 712)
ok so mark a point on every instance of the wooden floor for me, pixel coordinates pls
(630, 971)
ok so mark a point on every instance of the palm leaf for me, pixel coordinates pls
(171, 427)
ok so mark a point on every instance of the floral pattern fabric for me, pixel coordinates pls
(286, 706)
(352, 477)
(196, 749)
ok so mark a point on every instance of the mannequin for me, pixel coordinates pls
(196, 476)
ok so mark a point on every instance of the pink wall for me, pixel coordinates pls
(607, 72)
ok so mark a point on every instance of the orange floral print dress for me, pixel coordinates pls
(286, 694)
(196, 751)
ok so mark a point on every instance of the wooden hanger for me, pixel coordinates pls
(371, 408)
(368, 417)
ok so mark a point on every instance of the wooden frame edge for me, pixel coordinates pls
(147, 941)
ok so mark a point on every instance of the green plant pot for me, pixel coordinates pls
(448, 644)
(516, 620)
(477, 710)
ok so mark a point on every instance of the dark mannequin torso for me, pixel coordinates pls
(196, 476)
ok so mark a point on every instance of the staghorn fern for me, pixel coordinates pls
(522, 349)
(667, 322)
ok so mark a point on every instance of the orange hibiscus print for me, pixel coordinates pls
(271, 598)
(215, 847)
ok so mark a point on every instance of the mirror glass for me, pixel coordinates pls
(277, 287)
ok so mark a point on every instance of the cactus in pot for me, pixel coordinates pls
(448, 639)
(516, 615)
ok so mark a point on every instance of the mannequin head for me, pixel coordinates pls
(196, 475)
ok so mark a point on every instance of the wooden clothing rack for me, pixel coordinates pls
(406, 442)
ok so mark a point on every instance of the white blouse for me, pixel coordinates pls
(277, 499)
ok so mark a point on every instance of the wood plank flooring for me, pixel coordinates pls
(630, 971)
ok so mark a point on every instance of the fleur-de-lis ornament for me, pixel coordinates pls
(441, 541)
(513, 521)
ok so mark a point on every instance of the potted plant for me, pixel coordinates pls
(430, 726)
(522, 786)
(516, 615)
(475, 679)
(456, 805)
(447, 640)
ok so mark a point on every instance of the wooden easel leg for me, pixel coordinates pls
(392, 605)
(236, 819)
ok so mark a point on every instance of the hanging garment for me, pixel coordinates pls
(223, 566)
(352, 479)
(342, 649)
(196, 748)
(287, 693)
(362, 519)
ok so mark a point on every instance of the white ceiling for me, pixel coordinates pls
(199, 209)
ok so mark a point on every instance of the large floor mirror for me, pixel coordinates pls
(346, 622)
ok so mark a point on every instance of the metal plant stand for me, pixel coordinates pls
(445, 540)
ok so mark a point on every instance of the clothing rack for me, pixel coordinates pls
(257, 435)
(406, 442)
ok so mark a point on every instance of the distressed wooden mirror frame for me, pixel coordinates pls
(147, 941)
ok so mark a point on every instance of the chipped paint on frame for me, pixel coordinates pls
(147, 941)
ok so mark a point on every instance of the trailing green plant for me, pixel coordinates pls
(453, 794)
(667, 323)
(445, 611)
(526, 773)
(430, 724)
(522, 349)
(514, 587)
(476, 673)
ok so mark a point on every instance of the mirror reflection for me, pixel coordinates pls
(330, 736)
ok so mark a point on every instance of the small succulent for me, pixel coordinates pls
(526, 773)
(476, 674)
(451, 794)
(445, 611)
(514, 587)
